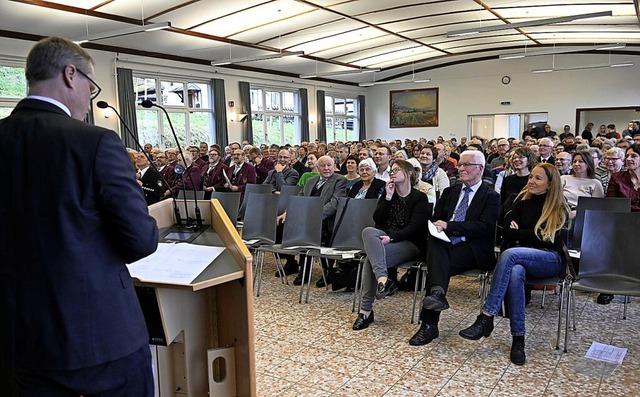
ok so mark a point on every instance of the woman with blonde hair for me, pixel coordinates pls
(537, 224)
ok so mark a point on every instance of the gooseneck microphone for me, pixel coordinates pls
(148, 104)
(104, 105)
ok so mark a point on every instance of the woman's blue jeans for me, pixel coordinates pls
(509, 276)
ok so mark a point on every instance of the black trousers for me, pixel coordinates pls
(125, 377)
(445, 260)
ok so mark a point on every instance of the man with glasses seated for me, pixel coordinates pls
(563, 163)
(282, 174)
(467, 213)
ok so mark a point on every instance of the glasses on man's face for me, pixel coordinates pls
(467, 165)
(608, 159)
(96, 90)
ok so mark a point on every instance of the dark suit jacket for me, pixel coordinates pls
(262, 169)
(479, 226)
(374, 192)
(288, 176)
(334, 188)
(153, 187)
(247, 174)
(214, 178)
(70, 222)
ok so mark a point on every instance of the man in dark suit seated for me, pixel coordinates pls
(467, 213)
(213, 175)
(330, 186)
(239, 174)
(150, 180)
(70, 319)
(282, 174)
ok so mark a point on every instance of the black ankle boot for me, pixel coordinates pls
(517, 350)
(483, 326)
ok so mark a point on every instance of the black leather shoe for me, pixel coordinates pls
(291, 267)
(362, 322)
(425, 334)
(604, 299)
(517, 351)
(483, 326)
(387, 289)
(436, 302)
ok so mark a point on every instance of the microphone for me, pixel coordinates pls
(104, 105)
(148, 104)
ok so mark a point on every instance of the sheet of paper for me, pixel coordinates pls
(250, 242)
(177, 263)
(435, 233)
(607, 353)
(574, 254)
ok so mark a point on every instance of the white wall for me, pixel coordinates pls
(476, 89)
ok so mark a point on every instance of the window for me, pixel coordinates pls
(189, 106)
(275, 116)
(341, 118)
(13, 87)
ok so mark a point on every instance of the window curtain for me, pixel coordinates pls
(245, 108)
(304, 115)
(322, 119)
(362, 124)
(220, 112)
(127, 105)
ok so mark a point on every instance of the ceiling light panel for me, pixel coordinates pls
(269, 13)
(134, 9)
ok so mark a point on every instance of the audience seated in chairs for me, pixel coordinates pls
(310, 168)
(581, 182)
(537, 226)
(467, 213)
(522, 161)
(431, 172)
(399, 236)
(330, 186)
(190, 178)
(351, 166)
(368, 187)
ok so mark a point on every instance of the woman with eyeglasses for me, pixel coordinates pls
(399, 236)
(534, 230)
(614, 162)
(627, 183)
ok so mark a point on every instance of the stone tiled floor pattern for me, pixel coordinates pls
(310, 349)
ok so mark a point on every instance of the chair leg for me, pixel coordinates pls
(304, 277)
(415, 292)
(357, 290)
(573, 307)
(557, 346)
(566, 326)
(310, 259)
(624, 310)
(259, 257)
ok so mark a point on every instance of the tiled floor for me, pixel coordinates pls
(310, 349)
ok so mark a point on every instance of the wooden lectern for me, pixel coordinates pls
(214, 311)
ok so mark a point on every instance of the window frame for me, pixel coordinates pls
(333, 118)
(266, 114)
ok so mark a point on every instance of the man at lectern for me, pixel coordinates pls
(70, 321)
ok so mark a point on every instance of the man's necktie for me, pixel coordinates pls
(320, 183)
(461, 212)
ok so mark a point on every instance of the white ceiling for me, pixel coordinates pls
(399, 36)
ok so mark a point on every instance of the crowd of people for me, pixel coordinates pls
(527, 189)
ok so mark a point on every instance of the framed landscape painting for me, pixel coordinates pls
(414, 108)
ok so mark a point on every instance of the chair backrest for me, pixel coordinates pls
(250, 189)
(230, 201)
(285, 193)
(608, 246)
(262, 222)
(199, 195)
(303, 226)
(618, 204)
(352, 217)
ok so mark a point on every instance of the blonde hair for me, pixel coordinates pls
(554, 209)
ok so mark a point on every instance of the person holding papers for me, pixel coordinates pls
(399, 236)
(536, 230)
(467, 213)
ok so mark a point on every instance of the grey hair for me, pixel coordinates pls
(51, 55)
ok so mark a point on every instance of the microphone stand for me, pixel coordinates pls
(176, 211)
(148, 104)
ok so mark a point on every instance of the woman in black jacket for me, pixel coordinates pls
(368, 187)
(399, 236)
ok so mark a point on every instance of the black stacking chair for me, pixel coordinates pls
(286, 193)
(230, 202)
